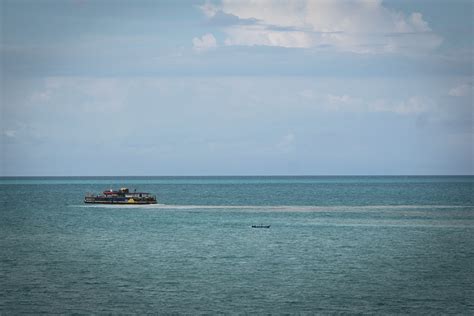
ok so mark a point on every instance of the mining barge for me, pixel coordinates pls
(122, 196)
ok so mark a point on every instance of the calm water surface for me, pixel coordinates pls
(336, 245)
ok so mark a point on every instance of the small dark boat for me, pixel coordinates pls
(260, 226)
(122, 196)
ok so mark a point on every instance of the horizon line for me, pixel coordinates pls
(230, 175)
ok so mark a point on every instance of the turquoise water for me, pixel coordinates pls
(336, 245)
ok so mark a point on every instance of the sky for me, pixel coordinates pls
(107, 88)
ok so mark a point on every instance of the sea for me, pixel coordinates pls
(336, 245)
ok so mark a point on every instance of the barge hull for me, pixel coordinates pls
(121, 202)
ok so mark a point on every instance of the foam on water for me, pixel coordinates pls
(282, 208)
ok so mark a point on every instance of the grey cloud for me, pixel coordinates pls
(226, 19)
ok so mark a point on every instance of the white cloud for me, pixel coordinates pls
(208, 9)
(41, 96)
(460, 91)
(253, 35)
(286, 142)
(9, 133)
(342, 103)
(98, 95)
(359, 26)
(206, 42)
(308, 94)
(413, 105)
(340, 99)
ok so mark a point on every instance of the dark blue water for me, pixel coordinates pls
(336, 245)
